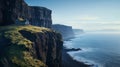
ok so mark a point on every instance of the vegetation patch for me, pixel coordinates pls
(19, 51)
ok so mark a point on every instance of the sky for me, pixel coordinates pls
(89, 15)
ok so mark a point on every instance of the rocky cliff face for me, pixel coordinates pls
(10, 10)
(0, 11)
(40, 16)
(30, 46)
(66, 31)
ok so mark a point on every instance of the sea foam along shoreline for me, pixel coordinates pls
(68, 61)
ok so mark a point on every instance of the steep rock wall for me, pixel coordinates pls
(40, 16)
(10, 10)
(47, 47)
(30, 46)
(66, 31)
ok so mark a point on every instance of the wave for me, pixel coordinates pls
(82, 59)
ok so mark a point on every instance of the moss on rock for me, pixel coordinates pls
(18, 51)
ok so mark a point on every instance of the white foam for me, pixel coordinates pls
(88, 62)
(81, 59)
(68, 44)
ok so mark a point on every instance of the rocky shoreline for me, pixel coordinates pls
(68, 61)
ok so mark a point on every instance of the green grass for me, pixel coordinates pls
(18, 52)
(12, 33)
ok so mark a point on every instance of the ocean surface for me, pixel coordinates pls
(101, 49)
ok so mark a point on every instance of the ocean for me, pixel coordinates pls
(99, 48)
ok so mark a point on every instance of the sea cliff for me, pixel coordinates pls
(30, 46)
(27, 45)
(66, 31)
(10, 10)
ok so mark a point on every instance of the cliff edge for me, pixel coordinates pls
(29, 46)
(11, 10)
(66, 31)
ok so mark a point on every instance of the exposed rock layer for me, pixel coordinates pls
(10, 10)
(30, 46)
(40, 16)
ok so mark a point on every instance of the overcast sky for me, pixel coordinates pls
(89, 15)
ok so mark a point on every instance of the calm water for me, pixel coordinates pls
(102, 49)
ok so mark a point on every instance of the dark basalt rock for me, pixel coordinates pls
(39, 45)
(71, 49)
(40, 16)
(48, 47)
(66, 31)
(10, 10)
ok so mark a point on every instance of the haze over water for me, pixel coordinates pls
(89, 15)
(101, 49)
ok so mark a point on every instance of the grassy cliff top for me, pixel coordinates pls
(21, 27)
(12, 33)
(19, 51)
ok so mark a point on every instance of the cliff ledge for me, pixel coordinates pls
(29, 46)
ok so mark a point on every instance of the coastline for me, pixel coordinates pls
(68, 61)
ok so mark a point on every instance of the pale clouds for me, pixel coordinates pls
(89, 22)
(94, 26)
(89, 18)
